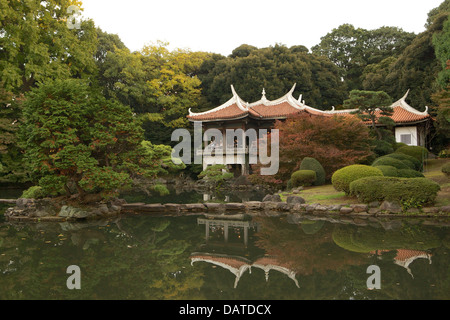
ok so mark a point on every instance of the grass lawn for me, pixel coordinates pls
(327, 195)
(432, 170)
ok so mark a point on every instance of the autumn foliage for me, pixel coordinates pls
(335, 141)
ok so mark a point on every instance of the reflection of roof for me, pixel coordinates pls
(405, 257)
(287, 105)
(238, 265)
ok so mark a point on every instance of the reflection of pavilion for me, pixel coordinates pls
(235, 263)
(405, 257)
(238, 265)
(213, 225)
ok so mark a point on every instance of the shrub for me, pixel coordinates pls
(309, 163)
(414, 191)
(388, 161)
(303, 178)
(388, 171)
(216, 174)
(382, 147)
(420, 153)
(417, 165)
(446, 169)
(409, 173)
(34, 192)
(399, 145)
(342, 178)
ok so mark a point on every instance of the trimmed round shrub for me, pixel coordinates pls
(309, 163)
(303, 178)
(417, 165)
(342, 178)
(382, 147)
(420, 153)
(399, 145)
(446, 169)
(388, 161)
(388, 171)
(413, 191)
(409, 173)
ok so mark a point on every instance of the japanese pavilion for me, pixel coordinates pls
(411, 125)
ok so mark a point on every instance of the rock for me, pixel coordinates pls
(212, 206)
(153, 207)
(73, 212)
(430, 210)
(391, 206)
(272, 198)
(374, 204)
(335, 207)
(445, 209)
(413, 210)
(234, 206)
(346, 210)
(359, 207)
(269, 205)
(252, 205)
(282, 206)
(294, 200)
(196, 207)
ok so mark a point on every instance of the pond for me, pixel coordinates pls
(189, 257)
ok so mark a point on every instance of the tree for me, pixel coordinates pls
(369, 105)
(334, 141)
(275, 69)
(78, 142)
(353, 49)
(441, 43)
(417, 68)
(11, 153)
(36, 44)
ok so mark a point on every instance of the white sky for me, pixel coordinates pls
(221, 26)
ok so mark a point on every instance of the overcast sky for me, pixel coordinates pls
(221, 26)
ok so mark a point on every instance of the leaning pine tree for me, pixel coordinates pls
(79, 143)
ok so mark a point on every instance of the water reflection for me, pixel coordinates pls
(191, 257)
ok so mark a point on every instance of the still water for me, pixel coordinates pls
(188, 257)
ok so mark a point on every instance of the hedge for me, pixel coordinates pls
(413, 191)
(409, 173)
(446, 169)
(388, 171)
(303, 178)
(388, 161)
(407, 159)
(420, 153)
(342, 178)
(309, 163)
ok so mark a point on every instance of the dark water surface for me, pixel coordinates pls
(145, 257)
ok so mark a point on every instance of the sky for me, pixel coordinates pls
(221, 26)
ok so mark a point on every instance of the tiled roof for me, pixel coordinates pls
(236, 108)
(230, 112)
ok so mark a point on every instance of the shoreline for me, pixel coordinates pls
(236, 210)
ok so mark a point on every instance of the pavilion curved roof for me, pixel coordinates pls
(236, 108)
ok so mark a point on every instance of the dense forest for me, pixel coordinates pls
(153, 88)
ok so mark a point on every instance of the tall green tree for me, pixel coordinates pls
(275, 69)
(417, 68)
(353, 49)
(78, 142)
(11, 153)
(370, 106)
(37, 43)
